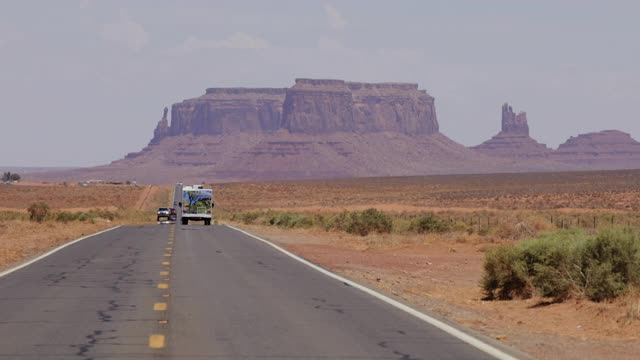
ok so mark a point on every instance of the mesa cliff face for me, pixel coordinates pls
(513, 141)
(309, 107)
(221, 111)
(318, 107)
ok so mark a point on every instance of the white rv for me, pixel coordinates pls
(197, 203)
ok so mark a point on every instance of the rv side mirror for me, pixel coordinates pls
(180, 204)
(213, 204)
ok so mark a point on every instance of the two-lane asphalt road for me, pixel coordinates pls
(200, 292)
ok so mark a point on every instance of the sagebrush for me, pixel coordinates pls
(563, 264)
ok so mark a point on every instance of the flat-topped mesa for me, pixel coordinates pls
(251, 92)
(604, 149)
(320, 84)
(354, 86)
(512, 123)
(226, 110)
(310, 106)
(326, 106)
(513, 140)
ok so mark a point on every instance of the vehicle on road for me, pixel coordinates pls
(197, 203)
(163, 213)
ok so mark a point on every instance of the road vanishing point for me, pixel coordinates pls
(203, 292)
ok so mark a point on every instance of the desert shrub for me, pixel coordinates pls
(505, 274)
(341, 222)
(9, 176)
(91, 215)
(518, 231)
(247, 218)
(12, 215)
(84, 216)
(610, 262)
(565, 263)
(459, 226)
(282, 219)
(103, 214)
(320, 220)
(549, 260)
(428, 224)
(290, 220)
(370, 220)
(65, 216)
(359, 222)
(38, 211)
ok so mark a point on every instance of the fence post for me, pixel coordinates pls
(594, 222)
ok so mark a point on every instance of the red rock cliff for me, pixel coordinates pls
(225, 110)
(318, 106)
(309, 107)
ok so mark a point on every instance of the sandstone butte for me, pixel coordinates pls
(604, 150)
(513, 140)
(321, 128)
(609, 149)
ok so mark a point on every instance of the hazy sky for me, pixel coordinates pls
(84, 82)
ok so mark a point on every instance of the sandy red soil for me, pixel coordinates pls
(441, 276)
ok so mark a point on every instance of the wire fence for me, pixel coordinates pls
(560, 221)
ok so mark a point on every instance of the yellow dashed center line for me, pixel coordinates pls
(156, 341)
(160, 306)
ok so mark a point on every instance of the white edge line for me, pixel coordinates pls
(50, 252)
(478, 344)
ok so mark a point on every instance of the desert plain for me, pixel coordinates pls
(439, 272)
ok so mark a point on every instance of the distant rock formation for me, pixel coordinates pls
(512, 123)
(309, 107)
(609, 149)
(333, 128)
(162, 129)
(513, 141)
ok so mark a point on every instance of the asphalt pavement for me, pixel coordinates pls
(200, 292)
